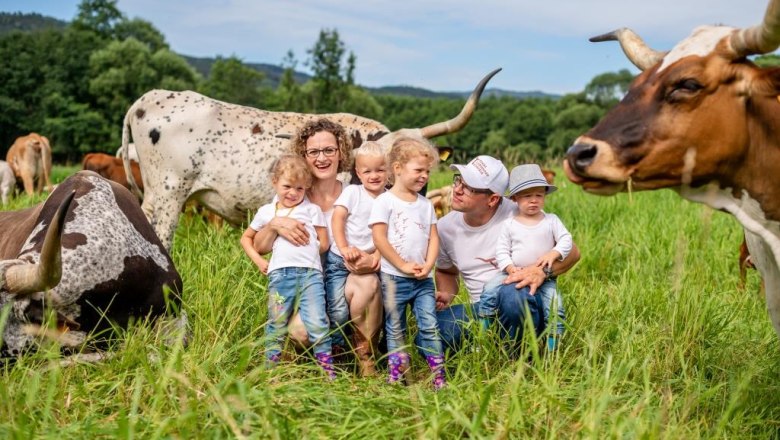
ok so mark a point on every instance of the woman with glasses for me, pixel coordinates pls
(327, 151)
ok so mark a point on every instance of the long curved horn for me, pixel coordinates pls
(31, 278)
(639, 53)
(459, 121)
(763, 38)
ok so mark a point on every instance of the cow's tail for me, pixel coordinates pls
(463, 117)
(126, 155)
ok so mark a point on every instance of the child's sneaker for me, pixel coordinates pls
(325, 360)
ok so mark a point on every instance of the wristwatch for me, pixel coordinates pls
(548, 272)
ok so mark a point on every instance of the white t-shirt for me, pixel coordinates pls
(286, 254)
(472, 250)
(358, 203)
(522, 245)
(408, 227)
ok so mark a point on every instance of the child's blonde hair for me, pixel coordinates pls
(406, 148)
(371, 149)
(293, 168)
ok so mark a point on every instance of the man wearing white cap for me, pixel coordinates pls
(468, 237)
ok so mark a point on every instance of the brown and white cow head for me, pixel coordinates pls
(699, 113)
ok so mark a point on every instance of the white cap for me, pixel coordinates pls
(485, 172)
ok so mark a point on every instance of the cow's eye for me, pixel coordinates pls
(684, 88)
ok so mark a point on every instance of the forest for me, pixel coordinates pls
(73, 82)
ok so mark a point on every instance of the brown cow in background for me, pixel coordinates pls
(30, 160)
(112, 168)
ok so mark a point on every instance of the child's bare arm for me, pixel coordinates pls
(339, 224)
(548, 259)
(431, 254)
(322, 236)
(246, 241)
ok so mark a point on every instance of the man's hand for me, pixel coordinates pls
(532, 277)
(443, 299)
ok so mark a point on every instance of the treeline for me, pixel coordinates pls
(75, 83)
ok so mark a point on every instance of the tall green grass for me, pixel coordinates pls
(661, 343)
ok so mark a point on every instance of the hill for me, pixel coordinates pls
(17, 21)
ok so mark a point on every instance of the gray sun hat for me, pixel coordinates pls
(528, 176)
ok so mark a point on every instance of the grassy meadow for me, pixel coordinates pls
(661, 344)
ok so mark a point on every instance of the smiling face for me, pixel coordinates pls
(318, 146)
(289, 191)
(372, 172)
(412, 175)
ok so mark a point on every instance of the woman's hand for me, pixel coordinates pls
(290, 229)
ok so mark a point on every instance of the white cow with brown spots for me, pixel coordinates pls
(192, 146)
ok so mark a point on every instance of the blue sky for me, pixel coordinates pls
(441, 45)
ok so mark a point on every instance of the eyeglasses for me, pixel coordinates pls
(457, 180)
(328, 152)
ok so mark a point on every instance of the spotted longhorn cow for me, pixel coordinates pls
(192, 146)
(102, 266)
(702, 119)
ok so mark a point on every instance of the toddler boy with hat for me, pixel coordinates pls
(533, 237)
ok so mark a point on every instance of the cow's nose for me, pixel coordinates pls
(581, 155)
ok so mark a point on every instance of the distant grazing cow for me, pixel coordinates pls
(111, 168)
(704, 120)
(30, 159)
(7, 181)
(110, 268)
(192, 146)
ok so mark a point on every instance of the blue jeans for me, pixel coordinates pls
(552, 301)
(512, 304)
(285, 285)
(338, 310)
(420, 296)
(488, 301)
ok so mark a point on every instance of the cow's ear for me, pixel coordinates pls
(445, 153)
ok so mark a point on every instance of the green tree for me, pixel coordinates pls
(142, 31)
(125, 70)
(99, 16)
(608, 88)
(332, 77)
(232, 81)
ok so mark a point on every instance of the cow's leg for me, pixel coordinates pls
(365, 308)
(162, 211)
(27, 181)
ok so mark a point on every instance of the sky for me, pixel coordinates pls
(441, 45)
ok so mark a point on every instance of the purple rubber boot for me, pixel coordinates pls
(325, 360)
(273, 360)
(397, 364)
(436, 363)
